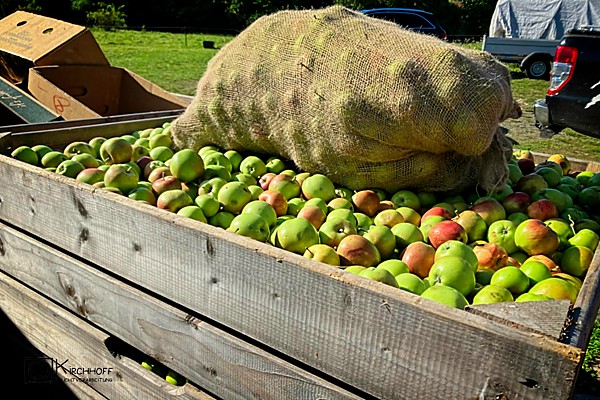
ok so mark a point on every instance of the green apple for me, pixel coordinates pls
(343, 213)
(296, 235)
(256, 191)
(263, 209)
(406, 233)
(250, 225)
(388, 218)
(174, 378)
(318, 186)
(502, 232)
(296, 204)
(41, 150)
(221, 219)
(556, 288)
(406, 198)
(211, 171)
(517, 217)
(173, 200)
(233, 196)
(219, 159)
(160, 140)
(562, 229)
(561, 200)
(532, 297)
(318, 202)
(334, 230)
(379, 275)
(53, 158)
(474, 225)
(511, 278)
(209, 205)
(395, 267)
(116, 151)
(534, 237)
(275, 165)
(193, 212)
(355, 269)
(550, 175)
(492, 294)
(576, 260)
(455, 272)
(340, 202)
(90, 176)
(87, 160)
(458, 249)
(484, 276)
(411, 283)
(161, 153)
(383, 238)
(75, 148)
(244, 177)
(323, 253)
(142, 194)
(211, 186)
(70, 168)
(254, 166)
(445, 295)
(585, 237)
(25, 154)
(344, 193)
(186, 165)
(410, 215)
(286, 184)
(138, 151)
(235, 159)
(536, 271)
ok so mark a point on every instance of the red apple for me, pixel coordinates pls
(314, 214)
(436, 210)
(490, 256)
(165, 183)
(357, 250)
(446, 230)
(276, 199)
(533, 236)
(542, 209)
(491, 210)
(366, 202)
(516, 202)
(419, 256)
(527, 165)
(265, 180)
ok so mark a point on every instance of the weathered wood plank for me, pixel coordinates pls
(382, 340)
(547, 318)
(585, 309)
(576, 163)
(215, 360)
(74, 343)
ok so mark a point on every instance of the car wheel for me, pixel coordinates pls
(537, 68)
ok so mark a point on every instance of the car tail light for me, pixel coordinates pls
(565, 59)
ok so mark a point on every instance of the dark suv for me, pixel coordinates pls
(573, 98)
(410, 18)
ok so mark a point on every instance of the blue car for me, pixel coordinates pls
(410, 18)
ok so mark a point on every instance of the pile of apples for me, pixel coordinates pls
(531, 239)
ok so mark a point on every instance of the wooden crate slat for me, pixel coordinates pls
(63, 336)
(210, 357)
(585, 309)
(382, 340)
(548, 317)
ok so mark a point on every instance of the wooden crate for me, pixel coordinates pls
(243, 319)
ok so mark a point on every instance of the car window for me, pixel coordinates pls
(408, 20)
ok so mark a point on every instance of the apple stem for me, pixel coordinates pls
(311, 253)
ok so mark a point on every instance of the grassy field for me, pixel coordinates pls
(177, 61)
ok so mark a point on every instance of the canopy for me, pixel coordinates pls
(542, 19)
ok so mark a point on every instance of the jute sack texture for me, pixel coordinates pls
(361, 100)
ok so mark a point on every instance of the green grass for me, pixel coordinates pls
(175, 62)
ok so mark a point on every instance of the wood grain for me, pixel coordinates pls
(382, 340)
(210, 357)
(76, 344)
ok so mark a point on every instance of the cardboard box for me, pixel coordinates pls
(17, 106)
(78, 91)
(63, 67)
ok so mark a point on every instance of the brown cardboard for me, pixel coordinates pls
(78, 91)
(28, 40)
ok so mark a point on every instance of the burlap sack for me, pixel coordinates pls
(359, 99)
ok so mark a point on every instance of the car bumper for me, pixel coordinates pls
(541, 113)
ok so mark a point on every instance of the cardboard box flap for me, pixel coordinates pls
(44, 41)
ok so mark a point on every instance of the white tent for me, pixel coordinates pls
(542, 19)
